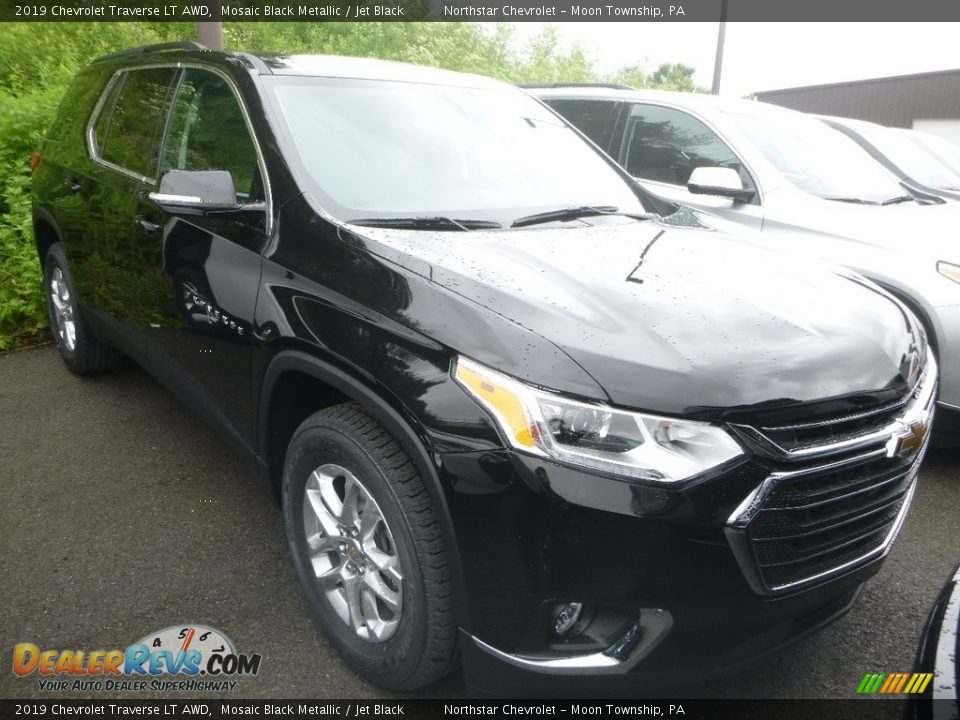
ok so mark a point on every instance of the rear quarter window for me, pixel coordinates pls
(76, 106)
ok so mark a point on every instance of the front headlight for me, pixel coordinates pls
(595, 436)
(949, 270)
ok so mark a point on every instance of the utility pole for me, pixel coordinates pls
(210, 32)
(721, 36)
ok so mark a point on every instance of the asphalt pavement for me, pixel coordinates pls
(121, 514)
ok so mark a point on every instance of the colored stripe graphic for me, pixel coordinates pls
(894, 683)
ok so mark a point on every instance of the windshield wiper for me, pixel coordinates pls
(855, 200)
(427, 223)
(574, 213)
(898, 199)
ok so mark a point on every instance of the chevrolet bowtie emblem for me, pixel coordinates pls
(908, 441)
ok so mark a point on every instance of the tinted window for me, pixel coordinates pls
(594, 118)
(128, 138)
(208, 132)
(106, 114)
(666, 145)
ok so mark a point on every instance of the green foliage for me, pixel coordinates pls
(37, 61)
(466, 47)
(22, 309)
(669, 76)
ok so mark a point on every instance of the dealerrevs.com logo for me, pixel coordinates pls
(185, 658)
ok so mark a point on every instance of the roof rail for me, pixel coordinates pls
(609, 86)
(159, 47)
(253, 62)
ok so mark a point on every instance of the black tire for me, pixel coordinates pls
(86, 355)
(422, 649)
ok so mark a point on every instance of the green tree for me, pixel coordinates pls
(633, 75)
(674, 76)
(669, 76)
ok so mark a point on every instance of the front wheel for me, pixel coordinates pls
(367, 549)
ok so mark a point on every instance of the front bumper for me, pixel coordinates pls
(666, 575)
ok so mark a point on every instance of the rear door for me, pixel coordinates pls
(597, 119)
(122, 135)
(199, 275)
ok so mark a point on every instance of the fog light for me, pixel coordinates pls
(566, 618)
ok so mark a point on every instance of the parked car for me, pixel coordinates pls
(511, 403)
(938, 654)
(909, 162)
(942, 149)
(805, 188)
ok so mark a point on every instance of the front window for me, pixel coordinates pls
(818, 159)
(208, 132)
(375, 149)
(666, 145)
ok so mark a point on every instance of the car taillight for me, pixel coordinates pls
(34, 160)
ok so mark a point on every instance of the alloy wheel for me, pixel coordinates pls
(62, 304)
(352, 553)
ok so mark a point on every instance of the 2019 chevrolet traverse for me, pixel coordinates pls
(514, 406)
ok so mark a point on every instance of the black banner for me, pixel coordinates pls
(863, 709)
(481, 10)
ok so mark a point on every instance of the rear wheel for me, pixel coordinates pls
(367, 549)
(81, 352)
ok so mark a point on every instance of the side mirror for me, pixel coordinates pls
(196, 192)
(722, 181)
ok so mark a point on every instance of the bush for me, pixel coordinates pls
(22, 306)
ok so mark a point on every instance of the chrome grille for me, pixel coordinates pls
(835, 504)
(815, 433)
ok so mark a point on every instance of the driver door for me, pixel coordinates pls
(201, 273)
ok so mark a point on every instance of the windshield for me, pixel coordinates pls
(378, 149)
(818, 159)
(943, 150)
(913, 161)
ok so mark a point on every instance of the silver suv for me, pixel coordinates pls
(803, 186)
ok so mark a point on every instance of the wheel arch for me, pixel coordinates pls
(45, 233)
(334, 386)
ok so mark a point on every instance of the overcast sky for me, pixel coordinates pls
(766, 56)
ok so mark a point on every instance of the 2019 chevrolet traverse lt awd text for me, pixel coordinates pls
(513, 405)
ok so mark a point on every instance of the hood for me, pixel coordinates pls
(929, 230)
(669, 318)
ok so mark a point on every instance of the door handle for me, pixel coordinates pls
(74, 186)
(148, 225)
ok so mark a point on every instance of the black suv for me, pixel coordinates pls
(512, 405)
